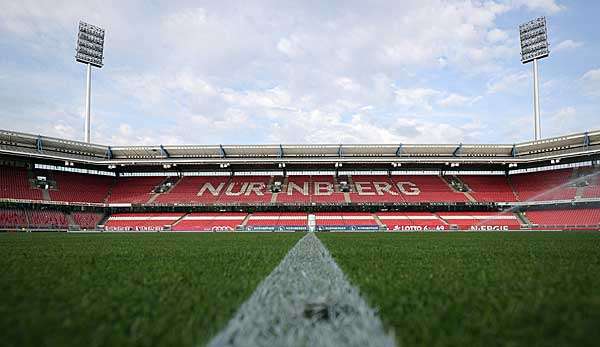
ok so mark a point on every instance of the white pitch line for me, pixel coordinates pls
(305, 301)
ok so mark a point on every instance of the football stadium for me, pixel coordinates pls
(308, 244)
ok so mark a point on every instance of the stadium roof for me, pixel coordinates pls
(14, 143)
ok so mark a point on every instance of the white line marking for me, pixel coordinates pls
(305, 301)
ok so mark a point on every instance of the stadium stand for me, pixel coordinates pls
(13, 219)
(15, 184)
(411, 221)
(134, 190)
(545, 185)
(223, 221)
(426, 188)
(87, 220)
(374, 189)
(194, 190)
(487, 188)
(41, 219)
(345, 221)
(141, 221)
(296, 189)
(324, 190)
(74, 187)
(246, 190)
(270, 221)
(579, 218)
(481, 220)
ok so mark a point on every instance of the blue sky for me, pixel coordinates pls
(244, 72)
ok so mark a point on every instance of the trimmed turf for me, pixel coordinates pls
(492, 289)
(128, 289)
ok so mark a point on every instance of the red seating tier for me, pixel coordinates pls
(585, 218)
(74, 187)
(14, 184)
(133, 190)
(545, 185)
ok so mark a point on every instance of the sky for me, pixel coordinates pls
(258, 72)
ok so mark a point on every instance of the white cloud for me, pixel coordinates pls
(313, 74)
(457, 100)
(506, 82)
(565, 114)
(567, 45)
(591, 82)
(497, 35)
(417, 97)
(547, 6)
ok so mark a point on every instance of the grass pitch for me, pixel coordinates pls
(492, 289)
(128, 289)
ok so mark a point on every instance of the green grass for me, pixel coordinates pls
(128, 289)
(492, 289)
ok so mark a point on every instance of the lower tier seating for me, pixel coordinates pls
(581, 218)
(141, 221)
(271, 221)
(87, 220)
(226, 221)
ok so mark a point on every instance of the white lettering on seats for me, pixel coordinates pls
(323, 188)
(214, 191)
(383, 187)
(412, 188)
(256, 188)
(293, 186)
(229, 191)
(364, 188)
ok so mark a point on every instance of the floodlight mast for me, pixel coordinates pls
(88, 99)
(90, 51)
(534, 46)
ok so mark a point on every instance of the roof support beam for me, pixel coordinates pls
(513, 151)
(109, 153)
(340, 151)
(39, 144)
(164, 152)
(399, 150)
(457, 150)
(280, 153)
(222, 151)
(586, 139)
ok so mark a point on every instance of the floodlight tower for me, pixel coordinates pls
(90, 50)
(534, 46)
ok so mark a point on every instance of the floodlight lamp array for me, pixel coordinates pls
(534, 40)
(90, 44)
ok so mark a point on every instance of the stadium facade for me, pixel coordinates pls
(58, 184)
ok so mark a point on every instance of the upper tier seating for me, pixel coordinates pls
(133, 190)
(141, 221)
(221, 221)
(489, 188)
(14, 184)
(585, 218)
(192, 189)
(318, 189)
(374, 189)
(298, 189)
(246, 190)
(428, 188)
(593, 190)
(74, 187)
(545, 185)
